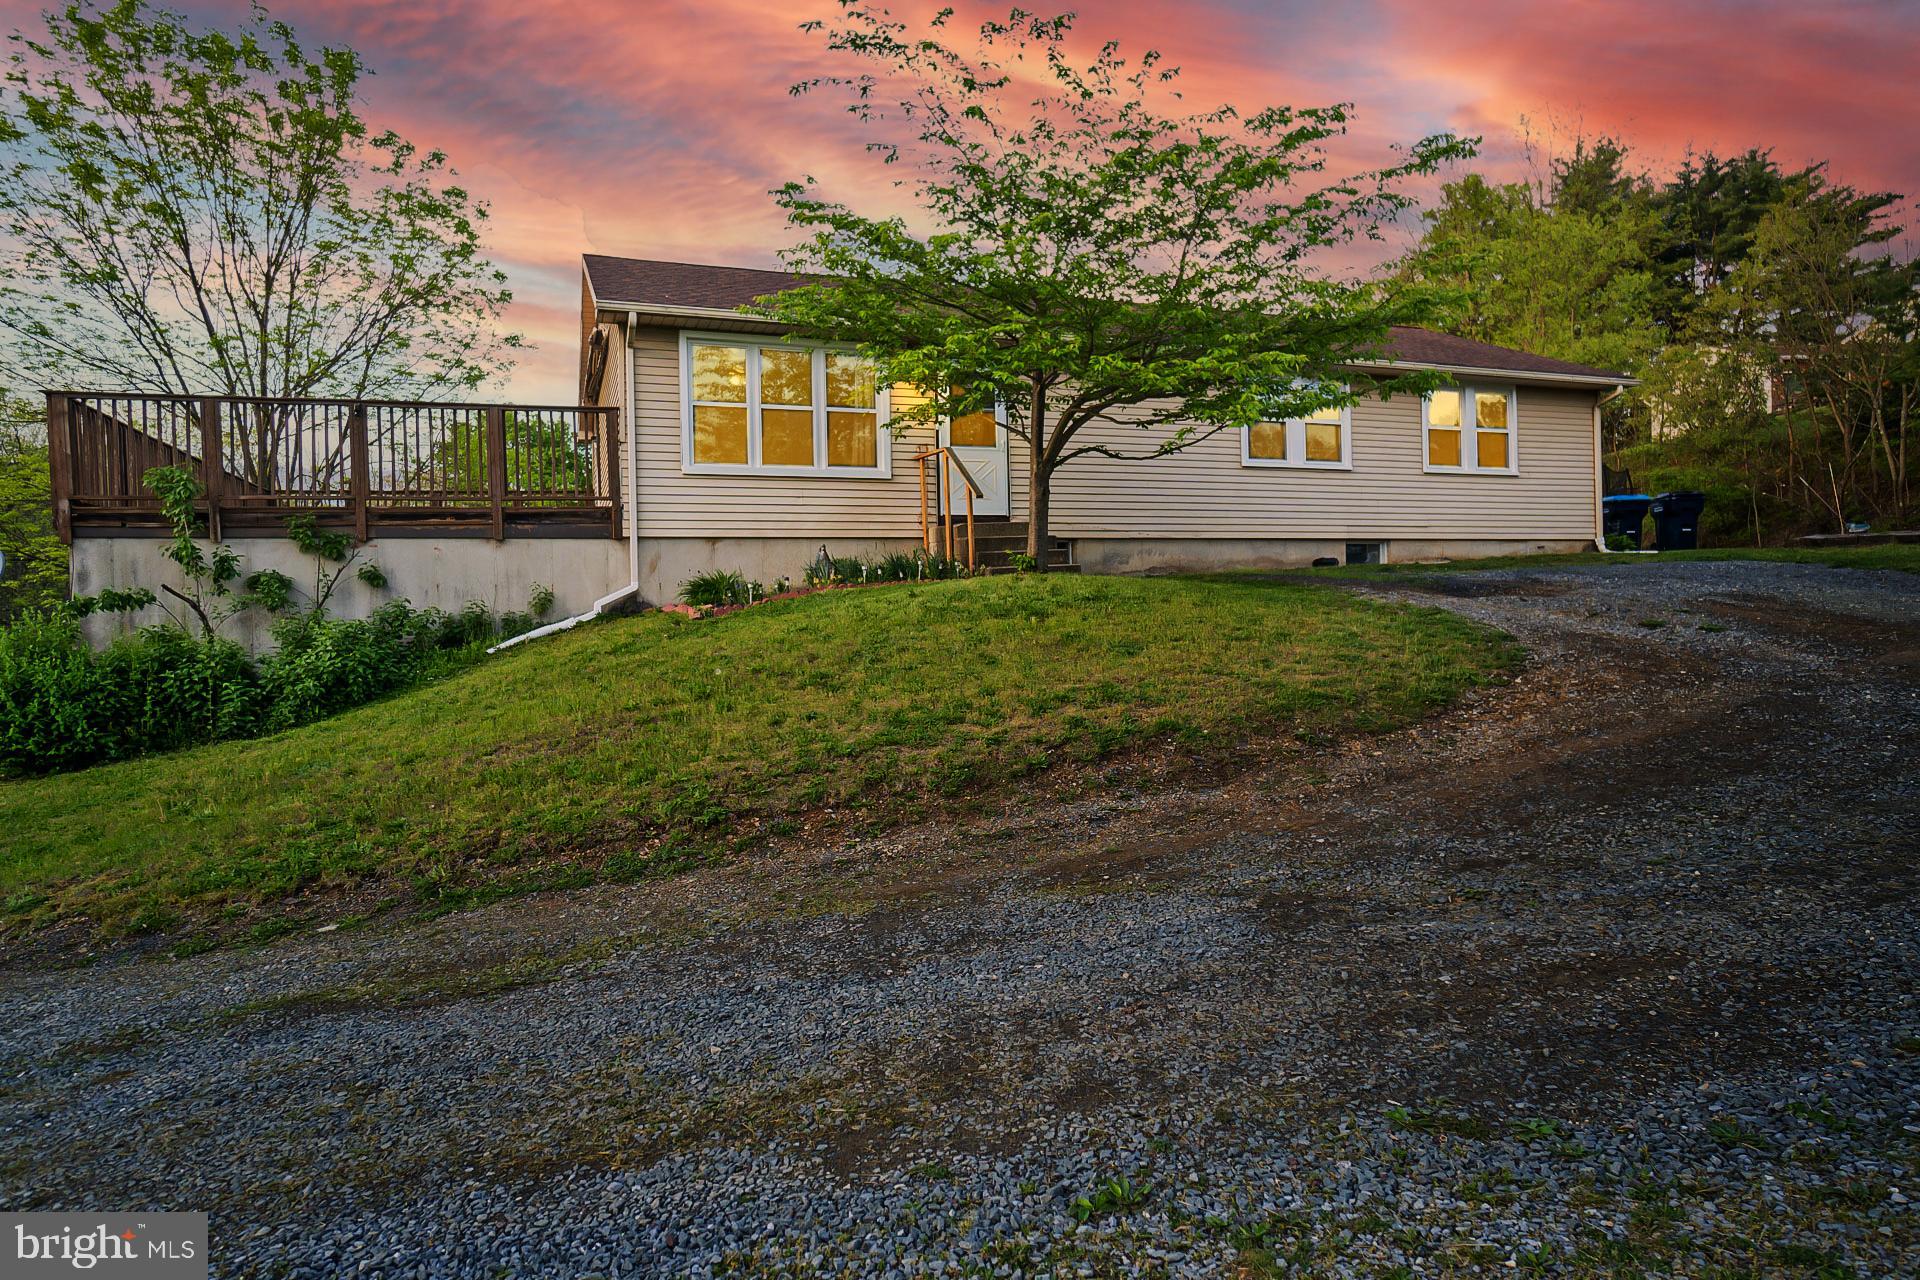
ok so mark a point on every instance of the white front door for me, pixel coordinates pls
(979, 440)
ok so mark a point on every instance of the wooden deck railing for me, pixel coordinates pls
(371, 465)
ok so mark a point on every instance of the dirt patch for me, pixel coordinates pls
(1476, 588)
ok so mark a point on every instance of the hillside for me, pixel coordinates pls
(640, 746)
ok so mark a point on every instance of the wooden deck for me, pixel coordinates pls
(377, 467)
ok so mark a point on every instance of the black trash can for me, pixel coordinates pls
(1676, 520)
(1621, 515)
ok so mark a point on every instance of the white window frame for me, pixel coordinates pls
(754, 343)
(1296, 458)
(1469, 430)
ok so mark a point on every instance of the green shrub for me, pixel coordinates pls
(720, 587)
(63, 706)
(901, 566)
(326, 665)
(167, 690)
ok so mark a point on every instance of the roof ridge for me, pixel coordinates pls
(704, 288)
(700, 266)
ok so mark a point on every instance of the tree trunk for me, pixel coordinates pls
(1037, 479)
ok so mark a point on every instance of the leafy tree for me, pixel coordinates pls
(34, 575)
(191, 212)
(1096, 254)
(541, 451)
(1564, 280)
(1708, 215)
(1595, 179)
(1714, 432)
(1834, 319)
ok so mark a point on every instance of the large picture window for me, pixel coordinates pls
(1323, 439)
(1470, 428)
(779, 409)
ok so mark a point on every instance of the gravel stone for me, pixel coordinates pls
(1612, 967)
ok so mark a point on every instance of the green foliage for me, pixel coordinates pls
(1714, 433)
(541, 448)
(540, 600)
(1554, 280)
(334, 553)
(108, 600)
(63, 706)
(271, 589)
(1778, 338)
(1438, 1116)
(1097, 245)
(1114, 1196)
(896, 566)
(321, 666)
(209, 572)
(1022, 562)
(34, 575)
(206, 210)
(719, 587)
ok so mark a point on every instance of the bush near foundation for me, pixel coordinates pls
(64, 706)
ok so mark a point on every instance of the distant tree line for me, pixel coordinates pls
(1773, 315)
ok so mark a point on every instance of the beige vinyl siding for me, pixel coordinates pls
(1205, 492)
(673, 504)
(1202, 492)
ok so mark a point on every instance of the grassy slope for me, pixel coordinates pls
(574, 757)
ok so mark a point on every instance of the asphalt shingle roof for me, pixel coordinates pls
(647, 282)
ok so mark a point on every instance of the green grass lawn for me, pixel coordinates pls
(633, 747)
(1902, 556)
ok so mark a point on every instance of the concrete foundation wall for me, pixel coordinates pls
(446, 573)
(1173, 555)
(441, 573)
(665, 563)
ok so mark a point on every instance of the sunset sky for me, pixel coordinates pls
(654, 128)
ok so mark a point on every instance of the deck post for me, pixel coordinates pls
(610, 451)
(497, 469)
(212, 467)
(60, 465)
(358, 481)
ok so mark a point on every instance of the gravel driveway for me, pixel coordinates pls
(1613, 969)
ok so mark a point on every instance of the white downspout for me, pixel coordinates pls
(630, 508)
(1599, 511)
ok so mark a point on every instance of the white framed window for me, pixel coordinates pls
(1471, 428)
(1323, 440)
(753, 407)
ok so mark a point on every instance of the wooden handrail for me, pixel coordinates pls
(965, 474)
(947, 459)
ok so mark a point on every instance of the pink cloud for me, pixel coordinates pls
(657, 129)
